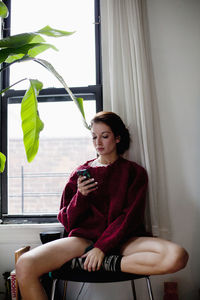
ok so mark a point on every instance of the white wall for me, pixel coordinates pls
(175, 49)
(175, 46)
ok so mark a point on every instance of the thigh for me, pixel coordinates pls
(146, 244)
(52, 255)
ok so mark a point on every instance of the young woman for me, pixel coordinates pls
(104, 218)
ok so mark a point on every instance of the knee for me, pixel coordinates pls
(24, 267)
(177, 259)
(181, 258)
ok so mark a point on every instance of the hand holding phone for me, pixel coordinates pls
(86, 184)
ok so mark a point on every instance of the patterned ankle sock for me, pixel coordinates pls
(112, 263)
(77, 263)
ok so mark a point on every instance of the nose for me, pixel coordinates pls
(99, 141)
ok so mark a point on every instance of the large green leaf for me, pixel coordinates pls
(77, 101)
(47, 30)
(33, 52)
(21, 39)
(12, 58)
(10, 55)
(31, 122)
(80, 105)
(2, 162)
(24, 58)
(3, 10)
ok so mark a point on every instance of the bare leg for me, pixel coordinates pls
(150, 256)
(43, 259)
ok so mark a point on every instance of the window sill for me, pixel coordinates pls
(25, 233)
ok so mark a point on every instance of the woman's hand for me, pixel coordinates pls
(93, 259)
(86, 186)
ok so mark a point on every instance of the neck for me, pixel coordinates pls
(108, 160)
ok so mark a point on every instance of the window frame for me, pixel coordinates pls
(90, 92)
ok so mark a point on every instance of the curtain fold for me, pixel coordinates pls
(128, 90)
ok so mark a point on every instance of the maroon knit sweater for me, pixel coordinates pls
(111, 214)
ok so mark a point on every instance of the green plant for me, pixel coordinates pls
(25, 47)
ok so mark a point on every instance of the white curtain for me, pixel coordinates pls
(129, 91)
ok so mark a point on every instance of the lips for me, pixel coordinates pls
(100, 149)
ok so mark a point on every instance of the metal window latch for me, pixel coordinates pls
(4, 27)
(98, 21)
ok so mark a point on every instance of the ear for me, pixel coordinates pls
(117, 139)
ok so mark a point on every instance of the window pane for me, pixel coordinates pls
(64, 144)
(75, 60)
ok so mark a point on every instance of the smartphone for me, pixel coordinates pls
(84, 172)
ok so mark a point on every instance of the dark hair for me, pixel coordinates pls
(117, 126)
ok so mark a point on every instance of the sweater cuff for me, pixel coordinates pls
(81, 196)
(103, 248)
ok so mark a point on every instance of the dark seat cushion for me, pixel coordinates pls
(98, 276)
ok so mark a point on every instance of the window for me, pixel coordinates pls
(31, 191)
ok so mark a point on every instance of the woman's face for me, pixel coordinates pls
(104, 140)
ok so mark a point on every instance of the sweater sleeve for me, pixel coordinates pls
(73, 204)
(131, 218)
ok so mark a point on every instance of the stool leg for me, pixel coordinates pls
(53, 289)
(133, 289)
(149, 288)
(65, 289)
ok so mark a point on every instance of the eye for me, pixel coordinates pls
(94, 137)
(105, 136)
